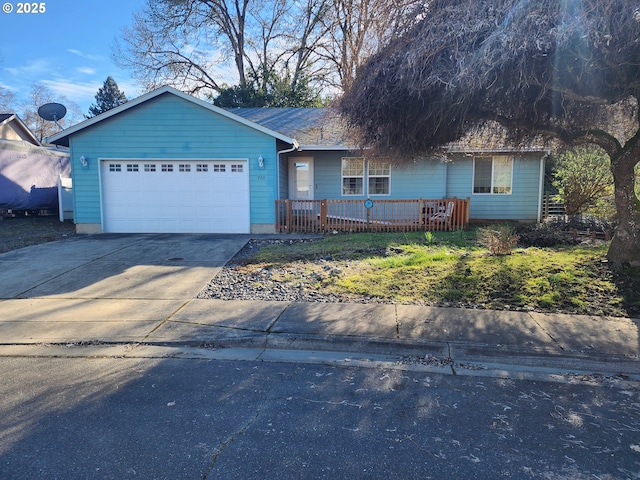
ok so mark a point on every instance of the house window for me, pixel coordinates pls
(115, 167)
(492, 175)
(352, 176)
(379, 178)
(149, 167)
(184, 167)
(202, 167)
(167, 167)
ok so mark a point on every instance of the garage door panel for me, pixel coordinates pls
(175, 196)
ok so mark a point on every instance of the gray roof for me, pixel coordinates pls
(311, 127)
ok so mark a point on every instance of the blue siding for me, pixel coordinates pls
(169, 127)
(521, 204)
(425, 179)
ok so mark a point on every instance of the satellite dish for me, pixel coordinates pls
(52, 112)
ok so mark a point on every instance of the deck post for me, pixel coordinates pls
(323, 215)
(288, 215)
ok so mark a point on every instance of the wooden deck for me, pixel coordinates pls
(323, 216)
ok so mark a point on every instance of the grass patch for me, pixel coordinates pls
(21, 232)
(451, 269)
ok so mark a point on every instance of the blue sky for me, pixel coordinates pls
(67, 48)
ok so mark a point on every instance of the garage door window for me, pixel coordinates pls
(237, 168)
(184, 167)
(149, 167)
(219, 167)
(132, 167)
(202, 167)
(167, 167)
(115, 167)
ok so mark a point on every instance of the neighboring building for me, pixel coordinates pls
(168, 162)
(29, 172)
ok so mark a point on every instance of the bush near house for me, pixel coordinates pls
(561, 231)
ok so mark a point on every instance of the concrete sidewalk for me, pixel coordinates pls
(583, 343)
(138, 290)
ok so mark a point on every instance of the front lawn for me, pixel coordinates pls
(451, 269)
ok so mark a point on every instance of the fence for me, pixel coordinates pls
(321, 216)
(551, 208)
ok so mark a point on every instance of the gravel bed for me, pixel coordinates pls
(303, 281)
(238, 280)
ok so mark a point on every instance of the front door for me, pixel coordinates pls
(301, 178)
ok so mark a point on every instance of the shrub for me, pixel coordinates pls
(557, 231)
(499, 240)
(543, 235)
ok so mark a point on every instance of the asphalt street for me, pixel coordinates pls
(109, 418)
(112, 368)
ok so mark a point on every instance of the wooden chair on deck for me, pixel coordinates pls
(443, 216)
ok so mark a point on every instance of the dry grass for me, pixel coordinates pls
(19, 232)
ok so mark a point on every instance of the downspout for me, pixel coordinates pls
(541, 185)
(446, 174)
(296, 146)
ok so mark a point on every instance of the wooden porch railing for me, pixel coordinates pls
(322, 216)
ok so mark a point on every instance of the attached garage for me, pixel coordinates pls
(167, 162)
(175, 196)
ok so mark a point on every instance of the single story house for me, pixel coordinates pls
(169, 162)
(29, 172)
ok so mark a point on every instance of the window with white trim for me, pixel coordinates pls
(352, 176)
(492, 175)
(379, 177)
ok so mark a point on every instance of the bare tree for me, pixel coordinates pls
(38, 96)
(568, 69)
(7, 98)
(356, 29)
(188, 43)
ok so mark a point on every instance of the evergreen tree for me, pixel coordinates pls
(108, 97)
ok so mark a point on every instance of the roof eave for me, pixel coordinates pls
(348, 148)
(461, 149)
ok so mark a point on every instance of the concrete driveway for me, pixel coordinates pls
(70, 289)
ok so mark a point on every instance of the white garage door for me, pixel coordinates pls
(201, 196)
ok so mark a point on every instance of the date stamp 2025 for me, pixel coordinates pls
(29, 8)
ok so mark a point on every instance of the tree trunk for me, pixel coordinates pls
(625, 246)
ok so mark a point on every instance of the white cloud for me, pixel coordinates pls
(78, 92)
(88, 56)
(34, 68)
(86, 70)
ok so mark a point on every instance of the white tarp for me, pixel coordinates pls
(29, 176)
